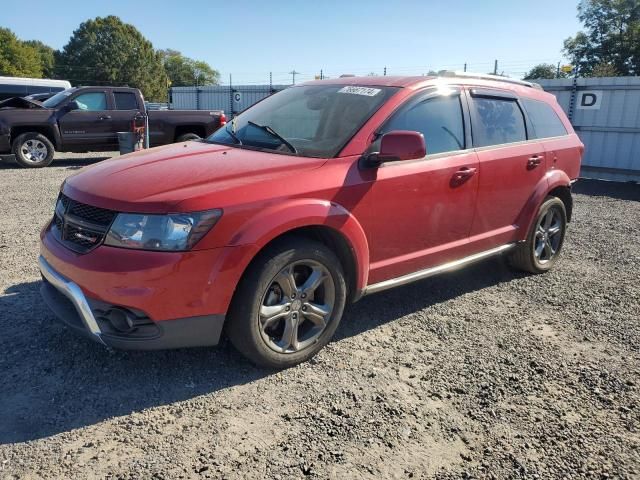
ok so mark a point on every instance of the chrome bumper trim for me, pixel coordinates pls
(74, 293)
(429, 272)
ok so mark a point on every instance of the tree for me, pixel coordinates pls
(16, 58)
(604, 70)
(184, 71)
(611, 37)
(47, 57)
(108, 51)
(544, 70)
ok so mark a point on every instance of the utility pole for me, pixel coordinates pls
(495, 67)
(385, 71)
(293, 73)
(230, 97)
(558, 71)
(321, 75)
(465, 67)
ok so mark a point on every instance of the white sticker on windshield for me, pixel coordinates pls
(367, 91)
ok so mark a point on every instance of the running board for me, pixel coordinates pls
(429, 272)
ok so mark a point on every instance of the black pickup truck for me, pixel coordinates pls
(83, 119)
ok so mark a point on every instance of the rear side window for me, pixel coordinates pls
(545, 120)
(439, 119)
(125, 101)
(497, 121)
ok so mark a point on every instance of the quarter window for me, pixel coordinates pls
(439, 119)
(498, 121)
(545, 120)
(125, 101)
(92, 101)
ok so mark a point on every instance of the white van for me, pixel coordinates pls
(21, 87)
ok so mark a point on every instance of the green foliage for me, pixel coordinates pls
(18, 59)
(183, 71)
(107, 51)
(47, 57)
(604, 70)
(544, 70)
(611, 37)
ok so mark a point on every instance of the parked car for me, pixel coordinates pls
(82, 119)
(312, 198)
(21, 87)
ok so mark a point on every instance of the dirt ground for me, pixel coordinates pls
(481, 373)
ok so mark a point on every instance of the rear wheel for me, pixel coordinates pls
(540, 251)
(33, 150)
(187, 137)
(288, 304)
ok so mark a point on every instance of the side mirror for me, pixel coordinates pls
(73, 105)
(399, 145)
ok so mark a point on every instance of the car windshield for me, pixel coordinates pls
(58, 98)
(309, 120)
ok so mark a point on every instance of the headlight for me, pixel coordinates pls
(179, 231)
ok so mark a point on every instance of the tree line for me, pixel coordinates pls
(105, 51)
(609, 45)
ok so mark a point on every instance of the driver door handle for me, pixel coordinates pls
(462, 175)
(105, 117)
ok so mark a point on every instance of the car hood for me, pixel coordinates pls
(19, 102)
(164, 179)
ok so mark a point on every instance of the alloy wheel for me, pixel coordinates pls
(297, 306)
(548, 235)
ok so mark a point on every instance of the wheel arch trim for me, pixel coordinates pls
(280, 219)
(551, 181)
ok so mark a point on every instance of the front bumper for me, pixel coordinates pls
(66, 299)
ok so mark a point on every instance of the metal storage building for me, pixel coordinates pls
(232, 99)
(605, 113)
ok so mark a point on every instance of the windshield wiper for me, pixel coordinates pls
(272, 132)
(233, 135)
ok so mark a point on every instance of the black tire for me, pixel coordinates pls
(525, 257)
(32, 150)
(187, 137)
(245, 326)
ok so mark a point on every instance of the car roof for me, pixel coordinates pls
(518, 87)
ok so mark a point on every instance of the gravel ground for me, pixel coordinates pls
(478, 373)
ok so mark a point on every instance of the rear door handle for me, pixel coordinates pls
(534, 161)
(462, 175)
(105, 117)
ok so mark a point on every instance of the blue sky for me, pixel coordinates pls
(251, 38)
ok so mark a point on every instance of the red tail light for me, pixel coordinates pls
(223, 119)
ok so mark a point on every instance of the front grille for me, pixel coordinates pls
(79, 226)
(93, 214)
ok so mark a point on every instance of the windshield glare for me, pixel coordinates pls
(310, 121)
(58, 98)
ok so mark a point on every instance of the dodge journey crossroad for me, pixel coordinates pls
(314, 197)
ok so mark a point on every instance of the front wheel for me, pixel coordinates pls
(288, 304)
(540, 251)
(33, 150)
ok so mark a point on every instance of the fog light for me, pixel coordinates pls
(120, 319)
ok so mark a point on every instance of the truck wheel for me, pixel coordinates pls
(540, 251)
(32, 150)
(288, 304)
(187, 137)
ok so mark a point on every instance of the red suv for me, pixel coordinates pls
(312, 198)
